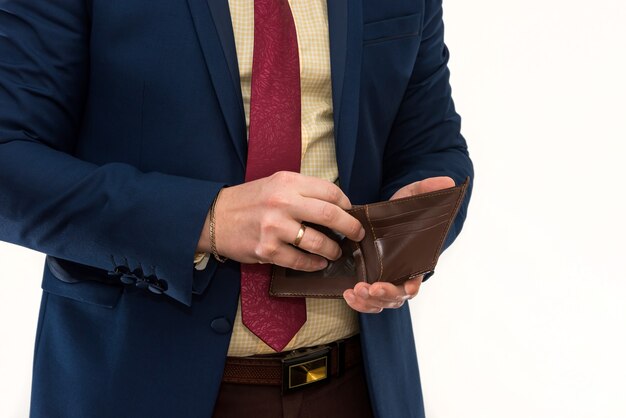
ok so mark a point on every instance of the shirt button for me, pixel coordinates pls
(221, 325)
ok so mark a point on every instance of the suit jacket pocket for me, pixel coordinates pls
(73, 284)
(390, 29)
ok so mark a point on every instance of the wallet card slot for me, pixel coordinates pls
(414, 227)
(411, 215)
(404, 255)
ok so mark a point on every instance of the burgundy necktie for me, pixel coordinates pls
(274, 145)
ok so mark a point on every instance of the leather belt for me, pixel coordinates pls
(295, 369)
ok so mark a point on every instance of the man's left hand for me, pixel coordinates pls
(373, 298)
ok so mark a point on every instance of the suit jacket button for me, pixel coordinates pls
(142, 284)
(120, 270)
(128, 279)
(156, 289)
(114, 275)
(221, 325)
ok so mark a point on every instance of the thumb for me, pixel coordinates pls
(432, 184)
(424, 186)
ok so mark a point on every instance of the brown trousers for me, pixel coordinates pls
(340, 397)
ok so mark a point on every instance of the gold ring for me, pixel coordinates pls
(299, 236)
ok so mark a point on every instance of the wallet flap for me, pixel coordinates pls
(408, 233)
(403, 239)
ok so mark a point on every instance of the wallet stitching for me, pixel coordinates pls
(415, 197)
(454, 213)
(308, 295)
(414, 231)
(404, 213)
(410, 276)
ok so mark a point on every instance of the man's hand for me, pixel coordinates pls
(374, 298)
(257, 221)
(428, 185)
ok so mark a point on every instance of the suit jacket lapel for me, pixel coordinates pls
(212, 22)
(346, 30)
(214, 29)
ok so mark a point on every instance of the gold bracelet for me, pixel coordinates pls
(212, 230)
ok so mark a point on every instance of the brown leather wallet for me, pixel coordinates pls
(403, 239)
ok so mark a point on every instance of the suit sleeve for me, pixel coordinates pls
(100, 216)
(426, 139)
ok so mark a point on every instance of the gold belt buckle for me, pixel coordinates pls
(304, 368)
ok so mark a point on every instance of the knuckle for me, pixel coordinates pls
(277, 200)
(355, 227)
(269, 226)
(266, 228)
(333, 194)
(283, 177)
(317, 242)
(336, 251)
(259, 253)
(266, 251)
(301, 262)
(329, 213)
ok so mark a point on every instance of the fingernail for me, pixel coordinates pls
(361, 234)
(322, 264)
(363, 292)
(349, 296)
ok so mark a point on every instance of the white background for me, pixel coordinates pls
(526, 314)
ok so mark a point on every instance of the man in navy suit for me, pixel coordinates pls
(121, 121)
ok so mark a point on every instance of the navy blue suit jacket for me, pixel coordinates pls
(119, 122)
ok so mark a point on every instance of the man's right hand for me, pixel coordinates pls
(257, 221)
